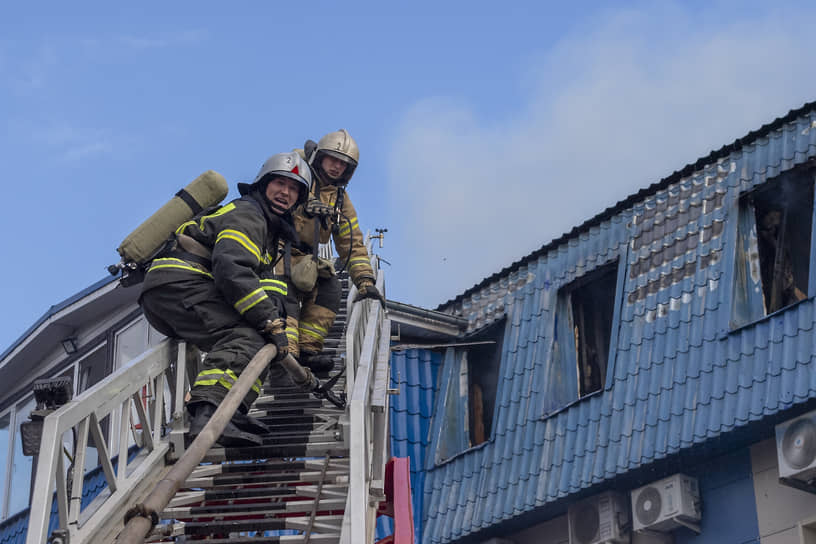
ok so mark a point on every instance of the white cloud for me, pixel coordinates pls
(86, 150)
(65, 141)
(611, 109)
(183, 37)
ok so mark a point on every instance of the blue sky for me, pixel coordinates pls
(486, 129)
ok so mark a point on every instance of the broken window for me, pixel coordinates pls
(583, 330)
(470, 390)
(773, 246)
(483, 359)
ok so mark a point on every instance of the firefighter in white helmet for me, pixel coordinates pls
(216, 289)
(327, 214)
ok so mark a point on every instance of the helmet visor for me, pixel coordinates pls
(337, 155)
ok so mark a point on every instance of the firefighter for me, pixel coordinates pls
(216, 289)
(328, 213)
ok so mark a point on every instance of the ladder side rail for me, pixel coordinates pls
(379, 413)
(79, 461)
(356, 327)
(182, 385)
(359, 463)
(365, 431)
(103, 399)
(377, 418)
(354, 323)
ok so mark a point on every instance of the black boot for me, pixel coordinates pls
(249, 424)
(317, 362)
(232, 437)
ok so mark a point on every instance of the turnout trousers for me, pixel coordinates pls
(194, 311)
(311, 315)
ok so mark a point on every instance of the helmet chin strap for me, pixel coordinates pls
(269, 204)
(275, 210)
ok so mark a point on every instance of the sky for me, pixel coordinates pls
(486, 129)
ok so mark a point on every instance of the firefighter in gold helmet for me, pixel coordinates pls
(215, 288)
(328, 213)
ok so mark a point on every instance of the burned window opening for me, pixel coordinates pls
(783, 212)
(483, 378)
(469, 400)
(592, 306)
(772, 259)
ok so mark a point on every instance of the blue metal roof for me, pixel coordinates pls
(679, 376)
(415, 374)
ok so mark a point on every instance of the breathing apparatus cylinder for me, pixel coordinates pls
(206, 190)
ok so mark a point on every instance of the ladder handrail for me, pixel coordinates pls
(367, 362)
(116, 393)
(138, 527)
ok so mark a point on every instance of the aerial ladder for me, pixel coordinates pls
(322, 475)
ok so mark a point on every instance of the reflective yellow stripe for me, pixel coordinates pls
(184, 226)
(169, 262)
(221, 211)
(276, 286)
(257, 386)
(243, 305)
(314, 327)
(359, 261)
(241, 238)
(254, 303)
(216, 376)
(292, 333)
(311, 333)
(346, 227)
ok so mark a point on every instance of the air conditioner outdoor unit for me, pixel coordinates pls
(601, 519)
(796, 448)
(667, 504)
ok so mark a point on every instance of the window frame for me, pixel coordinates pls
(452, 361)
(727, 325)
(620, 259)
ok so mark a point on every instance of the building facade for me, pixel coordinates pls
(85, 338)
(666, 337)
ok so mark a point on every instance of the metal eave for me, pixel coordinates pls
(415, 322)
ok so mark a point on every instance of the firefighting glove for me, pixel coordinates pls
(274, 332)
(368, 290)
(315, 208)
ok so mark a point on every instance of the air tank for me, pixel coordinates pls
(205, 191)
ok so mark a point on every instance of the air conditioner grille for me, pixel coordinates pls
(648, 506)
(799, 444)
(586, 524)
